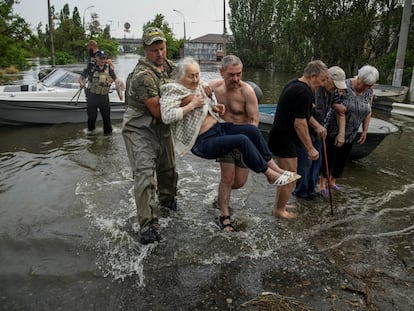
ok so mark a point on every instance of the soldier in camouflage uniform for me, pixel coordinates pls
(147, 139)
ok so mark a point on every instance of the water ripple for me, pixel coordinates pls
(390, 195)
(405, 231)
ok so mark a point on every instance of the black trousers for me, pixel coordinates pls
(337, 157)
(101, 102)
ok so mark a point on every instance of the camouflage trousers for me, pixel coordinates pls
(150, 151)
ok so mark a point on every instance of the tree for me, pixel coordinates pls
(70, 36)
(14, 37)
(287, 34)
(253, 25)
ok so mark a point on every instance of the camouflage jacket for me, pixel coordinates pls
(145, 81)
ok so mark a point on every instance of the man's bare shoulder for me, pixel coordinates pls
(246, 87)
(216, 83)
(247, 90)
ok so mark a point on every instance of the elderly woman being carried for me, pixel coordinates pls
(197, 126)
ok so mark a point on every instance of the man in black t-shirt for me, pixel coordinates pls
(324, 99)
(290, 127)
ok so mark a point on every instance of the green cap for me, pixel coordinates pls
(152, 35)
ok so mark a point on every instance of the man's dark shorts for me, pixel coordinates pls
(234, 157)
(285, 146)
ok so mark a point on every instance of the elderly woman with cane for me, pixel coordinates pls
(342, 129)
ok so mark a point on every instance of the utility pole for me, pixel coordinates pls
(402, 44)
(83, 20)
(52, 44)
(224, 28)
(182, 15)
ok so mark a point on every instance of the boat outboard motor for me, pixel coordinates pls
(257, 90)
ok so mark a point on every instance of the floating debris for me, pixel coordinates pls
(274, 302)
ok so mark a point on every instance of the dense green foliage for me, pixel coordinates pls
(287, 34)
(70, 36)
(15, 37)
(17, 42)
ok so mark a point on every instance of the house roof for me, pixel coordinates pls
(209, 38)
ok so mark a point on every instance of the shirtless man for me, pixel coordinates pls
(241, 105)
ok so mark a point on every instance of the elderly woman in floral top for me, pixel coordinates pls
(196, 126)
(343, 128)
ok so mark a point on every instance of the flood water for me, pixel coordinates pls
(67, 218)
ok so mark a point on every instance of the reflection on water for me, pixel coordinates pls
(269, 81)
(67, 224)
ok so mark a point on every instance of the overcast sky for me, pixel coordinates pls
(201, 16)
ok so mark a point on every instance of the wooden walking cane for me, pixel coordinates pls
(327, 174)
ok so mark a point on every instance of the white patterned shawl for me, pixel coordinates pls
(185, 129)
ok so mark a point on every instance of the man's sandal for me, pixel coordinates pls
(223, 226)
